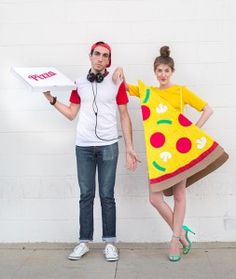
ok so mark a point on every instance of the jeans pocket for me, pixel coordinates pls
(110, 152)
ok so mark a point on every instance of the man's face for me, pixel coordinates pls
(100, 58)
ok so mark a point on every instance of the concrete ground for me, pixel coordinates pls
(137, 261)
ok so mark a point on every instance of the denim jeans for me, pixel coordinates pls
(104, 160)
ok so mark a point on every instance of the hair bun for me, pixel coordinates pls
(165, 51)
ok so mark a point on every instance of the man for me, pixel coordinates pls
(96, 100)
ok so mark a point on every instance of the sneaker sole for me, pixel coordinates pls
(73, 259)
(76, 258)
(112, 260)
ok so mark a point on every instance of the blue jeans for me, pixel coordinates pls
(104, 159)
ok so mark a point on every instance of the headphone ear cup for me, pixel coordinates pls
(91, 77)
(99, 77)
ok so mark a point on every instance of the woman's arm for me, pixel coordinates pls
(69, 112)
(206, 113)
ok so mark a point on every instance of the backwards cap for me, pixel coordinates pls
(103, 45)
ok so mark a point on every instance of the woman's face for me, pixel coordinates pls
(163, 73)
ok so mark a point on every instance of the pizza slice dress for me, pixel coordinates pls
(176, 148)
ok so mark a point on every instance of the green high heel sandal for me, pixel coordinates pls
(187, 248)
(174, 258)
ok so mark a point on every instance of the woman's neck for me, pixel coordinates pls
(165, 86)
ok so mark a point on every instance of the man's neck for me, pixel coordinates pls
(95, 71)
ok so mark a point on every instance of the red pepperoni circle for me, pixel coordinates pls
(184, 121)
(183, 145)
(157, 139)
(146, 112)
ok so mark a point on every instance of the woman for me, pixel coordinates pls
(183, 161)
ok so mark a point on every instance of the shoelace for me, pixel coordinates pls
(111, 250)
(79, 248)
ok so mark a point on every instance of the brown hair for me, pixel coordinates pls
(164, 58)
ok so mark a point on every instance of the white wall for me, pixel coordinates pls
(38, 186)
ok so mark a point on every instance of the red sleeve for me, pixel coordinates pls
(121, 97)
(74, 97)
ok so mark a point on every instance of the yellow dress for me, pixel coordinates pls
(176, 149)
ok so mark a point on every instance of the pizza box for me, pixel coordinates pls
(42, 79)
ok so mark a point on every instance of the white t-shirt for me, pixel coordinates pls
(101, 99)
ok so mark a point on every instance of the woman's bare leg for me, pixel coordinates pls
(157, 200)
(179, 192)
(173, 219)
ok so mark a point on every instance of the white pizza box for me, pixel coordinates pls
(42, 79)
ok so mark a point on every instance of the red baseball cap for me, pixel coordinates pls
(103, 45)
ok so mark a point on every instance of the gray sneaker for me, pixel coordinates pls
(111, 253)
(79, 251)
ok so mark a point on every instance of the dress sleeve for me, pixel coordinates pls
(134, 90)
(190, 98)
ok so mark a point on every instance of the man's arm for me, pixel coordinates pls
(131, 156)
(69, 111)
(119, 75)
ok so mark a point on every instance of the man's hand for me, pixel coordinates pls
(48, 95)
(131, 159)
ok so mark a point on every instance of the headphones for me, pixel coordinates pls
(98, 77)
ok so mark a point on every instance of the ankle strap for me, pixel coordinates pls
(178, 237)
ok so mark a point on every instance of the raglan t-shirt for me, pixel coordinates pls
(178, 96)
(99, 99)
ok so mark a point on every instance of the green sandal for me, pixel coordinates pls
(174, 258)
(187, 248)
